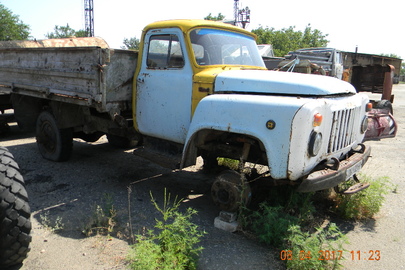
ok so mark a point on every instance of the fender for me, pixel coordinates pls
(247, 115)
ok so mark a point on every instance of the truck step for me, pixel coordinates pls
(162, 159)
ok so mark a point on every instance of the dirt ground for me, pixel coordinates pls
(64, 198)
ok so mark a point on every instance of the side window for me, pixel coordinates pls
(164, 52)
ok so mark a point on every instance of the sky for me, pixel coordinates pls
(375, 27)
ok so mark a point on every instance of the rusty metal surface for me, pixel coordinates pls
(388, 81)
(55, 43)
(373, 78)
(381, 124)
(328, 178)
(363, 59)
(79, 71)
(356, 188)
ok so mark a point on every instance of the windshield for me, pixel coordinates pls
(220, 47)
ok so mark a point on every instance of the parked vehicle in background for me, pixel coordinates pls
(266, 51)
(367, 73)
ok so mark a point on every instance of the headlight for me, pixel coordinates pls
(364, 125)
(315, 143)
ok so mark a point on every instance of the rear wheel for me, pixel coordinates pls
(53, 143)
(15, 224)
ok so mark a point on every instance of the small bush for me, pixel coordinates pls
(53, 226)
(320, 250)
(284, 208)
(280, 222)
(271, 223)
(103, 220)
(366, 203)
(173, 245)
(228, 162)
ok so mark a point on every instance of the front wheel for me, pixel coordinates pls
(230, 191)
(53, 143)
(15, 224)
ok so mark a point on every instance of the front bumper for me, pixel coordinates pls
(331, 177)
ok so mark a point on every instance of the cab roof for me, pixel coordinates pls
(187, 24)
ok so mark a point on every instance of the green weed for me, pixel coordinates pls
(364, 204)
(103, 219)
(320, 250)
(271, 223)
(285, 220)
(228, 162)
(172, 245)
(53, 226)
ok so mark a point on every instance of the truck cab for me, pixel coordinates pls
(177, 69)
(203, 85)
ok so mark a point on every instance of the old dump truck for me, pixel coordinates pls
(195, 88)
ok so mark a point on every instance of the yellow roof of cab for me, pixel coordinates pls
(185, 25)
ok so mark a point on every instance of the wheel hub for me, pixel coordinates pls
(230, 191)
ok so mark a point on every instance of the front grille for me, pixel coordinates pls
(342, 134)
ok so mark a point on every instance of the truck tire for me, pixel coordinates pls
(15, 224)
(53, 143)
(385, 104)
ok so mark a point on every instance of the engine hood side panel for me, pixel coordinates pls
(283, 83)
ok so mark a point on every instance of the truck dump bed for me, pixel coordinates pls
(81, 71)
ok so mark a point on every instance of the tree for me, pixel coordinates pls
(219, 17)
(288, 39)
(66, 32)
(11, 28)
(393, 55)
(131, 44)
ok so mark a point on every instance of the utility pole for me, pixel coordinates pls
(241, 16)
(89, 17)
(235, 11)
